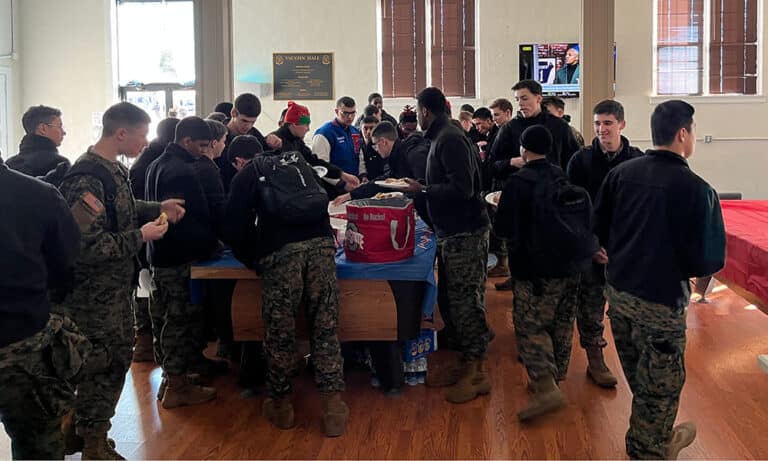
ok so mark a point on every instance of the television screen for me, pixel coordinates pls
(555, 65)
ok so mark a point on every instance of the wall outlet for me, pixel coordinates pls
(707, 139)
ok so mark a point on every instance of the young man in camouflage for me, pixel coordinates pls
(661, 224)
(173, 175)
(588, 168)
(39, 241)
(458, 214)
(545, 282)
(104, 274)
(296, 264)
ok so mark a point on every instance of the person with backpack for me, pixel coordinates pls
(547, 223)
(661, 225)
(588, 168)
(277, 223)
(174, 175)
(115, 226)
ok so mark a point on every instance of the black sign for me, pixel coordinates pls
(302, 76)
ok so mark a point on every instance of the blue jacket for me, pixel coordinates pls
(345, 145)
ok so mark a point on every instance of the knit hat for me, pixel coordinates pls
(536, 139)
(244, 146)
(297, 114)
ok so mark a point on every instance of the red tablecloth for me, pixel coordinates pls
(746, 226)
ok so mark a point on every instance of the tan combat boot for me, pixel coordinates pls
(73, 443)
(506, 285)
(546, 397)
(192, 378)
(279, 412)
(443, 368)
(143, 350)
(501, 269)
(335, 414)
(597, 370)
(682, 435)
(96, 446)
(472, 383)
(180, 392)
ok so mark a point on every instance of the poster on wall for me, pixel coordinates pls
(307, 76)
(555, 65)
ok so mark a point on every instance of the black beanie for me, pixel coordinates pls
(244, 146)
(193, 127)
(536, 139)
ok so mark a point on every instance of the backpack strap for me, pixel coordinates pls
(100, 172)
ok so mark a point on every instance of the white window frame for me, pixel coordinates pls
(706, 37)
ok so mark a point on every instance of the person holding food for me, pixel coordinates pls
(460, 219)
(100, 303)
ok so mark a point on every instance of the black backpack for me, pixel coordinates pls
(289, 188)
(562, 221)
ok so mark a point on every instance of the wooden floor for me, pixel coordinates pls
(725, 394)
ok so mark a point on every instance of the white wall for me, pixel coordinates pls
(731, 162)
(65, 62)
(313, 26)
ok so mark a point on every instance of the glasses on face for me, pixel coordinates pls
(344, 113)
(59, 126)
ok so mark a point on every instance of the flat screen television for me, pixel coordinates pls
(555, 65)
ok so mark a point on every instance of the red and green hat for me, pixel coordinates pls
(297, 114)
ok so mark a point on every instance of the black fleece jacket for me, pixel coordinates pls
(661, 224)
(589, 166)
(454, 183)
(37, 156)
(39, 241)
(173, 175)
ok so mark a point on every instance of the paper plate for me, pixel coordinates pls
(493, 198)
(321, 170)
(396, 186)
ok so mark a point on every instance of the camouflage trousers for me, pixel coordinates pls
(544, 311)
(36, 390)
(462, 273)
(650, 340)
(302, 273)
(109, 326)
(590, 310)
(176, 321)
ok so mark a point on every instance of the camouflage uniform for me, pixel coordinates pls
(101, 301)
(36, 390)
(302, 271)
(462, 273)
(177, 321)
(590, 313)
(141, 318)
(543, 312)
(650, 340)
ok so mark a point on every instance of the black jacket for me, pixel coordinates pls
(454, 184)
(514, 222)
(138, 172)
(39, 241)
(408, 159)
(210, 178)
(589, 166)
(193, 238)
(227, 170)
(251, 241)
(661, 224)
(506, 145)
(374, 164)
(37, 156)
(293, 144)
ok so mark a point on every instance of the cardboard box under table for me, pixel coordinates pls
(379, 303)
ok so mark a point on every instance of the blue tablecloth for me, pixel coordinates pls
(419, 268)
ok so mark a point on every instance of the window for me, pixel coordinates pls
(156, 56)
(706, 47)
(444, 27)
